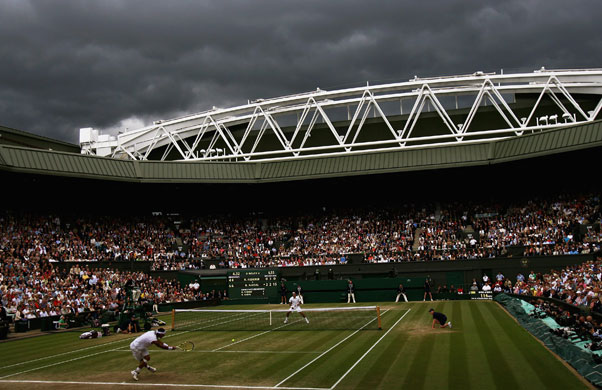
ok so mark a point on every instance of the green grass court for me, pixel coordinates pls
(485, 349)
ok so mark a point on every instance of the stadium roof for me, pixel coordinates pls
(545, 142)
(388, 118)
(14, 137)
(421, 124)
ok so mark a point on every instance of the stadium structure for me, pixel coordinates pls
(421, 141)
(421, 124)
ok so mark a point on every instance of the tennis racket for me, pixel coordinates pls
(186, 346)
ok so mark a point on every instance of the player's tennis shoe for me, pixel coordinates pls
(449, 323)
(285, 321)
(307, 320)
(152, 369)
(135, 375)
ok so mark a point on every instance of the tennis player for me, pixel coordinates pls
(139, 348)
(295, 302)
(439, 318)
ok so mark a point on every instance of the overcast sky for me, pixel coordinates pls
(116, 64)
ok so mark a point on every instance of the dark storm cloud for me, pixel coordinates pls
(71, 64)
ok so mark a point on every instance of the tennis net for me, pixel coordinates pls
(339, 318)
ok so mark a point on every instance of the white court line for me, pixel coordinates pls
(328, 350)
(78, 358)
(2, 379)
(77, 350)
(67, 353)
(252, 337)
(213, 351)
(55, 364)
(83, 357)
(70, 360)
(368, 351)
(162, 385)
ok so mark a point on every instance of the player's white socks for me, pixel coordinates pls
(307, 320)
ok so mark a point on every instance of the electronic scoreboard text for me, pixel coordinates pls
(252, 283)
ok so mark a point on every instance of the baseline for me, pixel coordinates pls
(161, 385)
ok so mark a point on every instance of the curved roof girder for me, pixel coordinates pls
(214, 127)
(411, 158)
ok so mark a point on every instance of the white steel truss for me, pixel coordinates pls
(241, 133)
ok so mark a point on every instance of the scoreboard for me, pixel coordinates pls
(481, 295)
(252, 283)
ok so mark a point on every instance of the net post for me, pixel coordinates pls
(173, 319)
(378, 318)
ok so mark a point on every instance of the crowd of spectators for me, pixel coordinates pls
(544, 227)
(579, 285)
(555, 226)
(51, 237)
(34, 288)
(306, 240)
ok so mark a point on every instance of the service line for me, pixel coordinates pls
(370, 349)
(328, 350)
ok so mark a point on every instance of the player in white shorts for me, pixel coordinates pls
(295, 302)
(139, 348)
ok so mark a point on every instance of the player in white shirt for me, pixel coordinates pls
(295, 302)
(139, 348)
